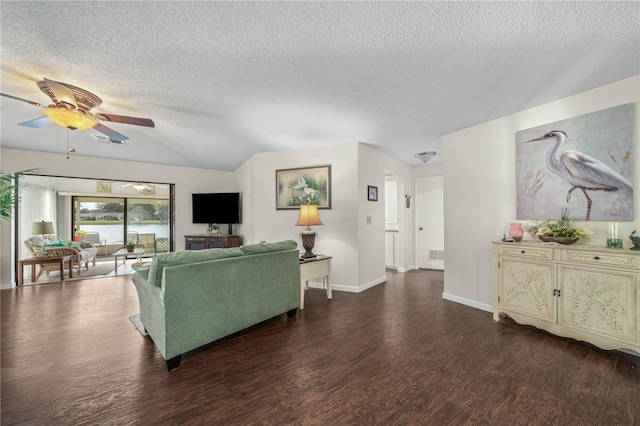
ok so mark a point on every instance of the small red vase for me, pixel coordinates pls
(516, 232)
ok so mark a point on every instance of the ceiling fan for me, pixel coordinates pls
(72, 107)
(142, 186)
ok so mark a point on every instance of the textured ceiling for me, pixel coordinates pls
(226, 80)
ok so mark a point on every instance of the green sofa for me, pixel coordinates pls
(191, 298)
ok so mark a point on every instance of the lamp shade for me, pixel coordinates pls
(42, 228)
(71, 119)
(309, 215)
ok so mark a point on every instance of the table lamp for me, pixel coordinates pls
(308, 216)
(42, 228)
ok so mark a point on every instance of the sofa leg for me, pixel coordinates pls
(292, 313)
(174, 363)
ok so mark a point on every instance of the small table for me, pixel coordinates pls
(41, 261)
(315, 267)
(124, 254)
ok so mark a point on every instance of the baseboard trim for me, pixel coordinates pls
(468, 302)
(348, 288)
(373, 283)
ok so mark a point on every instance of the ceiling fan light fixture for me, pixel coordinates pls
(70, 118)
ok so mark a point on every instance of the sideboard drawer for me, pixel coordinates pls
(608, 258)
(526, 251)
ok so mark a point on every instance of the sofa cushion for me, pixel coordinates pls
(269, 247)
(160, 261)
(52, 239)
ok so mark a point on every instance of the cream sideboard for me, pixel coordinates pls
(586, 293)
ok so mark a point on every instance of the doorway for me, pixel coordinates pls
(96, 216)
(430, 222)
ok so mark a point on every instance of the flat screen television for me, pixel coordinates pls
(222, 207)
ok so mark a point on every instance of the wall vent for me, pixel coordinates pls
(436, 254)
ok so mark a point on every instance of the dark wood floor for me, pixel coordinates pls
(396, 354)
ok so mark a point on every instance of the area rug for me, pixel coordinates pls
(135, 319)
(102, 269)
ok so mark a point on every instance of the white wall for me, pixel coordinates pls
(357, 248)
(187, 181)
(372, 168)
(338, 237)
(480, 187)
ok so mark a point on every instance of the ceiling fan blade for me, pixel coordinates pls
(61, 92)
(126, 120)
(110, 132)
(38, 122)
(21, 100)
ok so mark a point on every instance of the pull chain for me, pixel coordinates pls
(69, 149)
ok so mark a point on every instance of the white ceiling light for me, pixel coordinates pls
(425, 156)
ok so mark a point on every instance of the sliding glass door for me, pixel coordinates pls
(148, 224)
(100, 221)
(110, 223)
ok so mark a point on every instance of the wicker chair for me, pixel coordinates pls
(81, 256)
(94, 239)
(147, 242)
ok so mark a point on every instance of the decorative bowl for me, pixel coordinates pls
(559, 240)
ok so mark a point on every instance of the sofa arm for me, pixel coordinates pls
(142, 269)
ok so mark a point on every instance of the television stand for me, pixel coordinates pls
(207, 241)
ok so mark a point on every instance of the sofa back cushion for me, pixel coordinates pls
(269, 247)
(185, 257)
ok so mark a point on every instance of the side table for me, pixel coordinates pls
(41, 261)
(315, 267)
(124, 254)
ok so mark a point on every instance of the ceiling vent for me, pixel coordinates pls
(107, 139)
(425, 156)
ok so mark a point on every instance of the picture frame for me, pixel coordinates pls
(302, 186)
(103, 187)
(372, 193)
(597, 148)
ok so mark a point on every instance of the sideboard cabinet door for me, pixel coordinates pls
(526, 287)
(599, 301)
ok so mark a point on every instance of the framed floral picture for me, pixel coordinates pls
(103, 187)
(305, 185)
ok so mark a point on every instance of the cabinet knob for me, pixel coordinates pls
(596, 257)
(523, 252)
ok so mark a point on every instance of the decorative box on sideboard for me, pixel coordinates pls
(206, 241)
(582, 292)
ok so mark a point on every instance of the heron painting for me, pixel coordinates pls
(584, 163)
